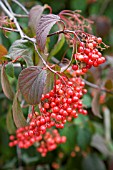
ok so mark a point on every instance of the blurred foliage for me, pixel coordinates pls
(87, 147)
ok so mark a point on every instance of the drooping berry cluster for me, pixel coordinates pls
(88, 55)
(58, 106)
(27, 136)
(64, 101)
(50, 142)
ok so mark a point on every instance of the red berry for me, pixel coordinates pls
(99, 40)
(46, 105)
(55, 109)
(75, 67)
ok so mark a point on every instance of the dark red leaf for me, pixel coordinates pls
(98, 142)
(31, 84)
(34, 16)
(44, 26)
(95, 104)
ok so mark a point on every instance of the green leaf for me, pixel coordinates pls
(73, 163)
(18, 116)
(83, 137)
(109, 84)
(49, 82)
(109, 103)
(31, 83)
(81, 120)
(7, 89)
(78, 4)
(57, 46)
(22, 48)
(86, 100)
(98, 128)
(92, 162)
(10, 69)
(28, 160)
(10, 164)
(70, 133)
(10, 123)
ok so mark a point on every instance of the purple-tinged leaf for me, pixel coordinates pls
(7, 89)
(10, 122)
(44, 26)
(18, 116)
(92, 162)
(110, 60)
(95, 104)
(34, 16)
(98, 142)
(31, 83)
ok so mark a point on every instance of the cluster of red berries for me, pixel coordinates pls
(50, 142)
(64, 102)
(26, 137)
(58, 106)
(88, 55)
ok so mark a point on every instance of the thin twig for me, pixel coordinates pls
(21, 6)
(64, 31)
(8, 6)
(57, 32)
(9, 29)
(97, 87)
(20, 15)
(44, 62)
(11, 15)
(6, 10)
(13, 18)
(47, 66)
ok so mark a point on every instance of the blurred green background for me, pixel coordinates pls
(89, 143)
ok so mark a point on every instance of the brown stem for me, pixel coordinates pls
(65, 32)
(57, 32)
(46, 65)
(97, 87)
